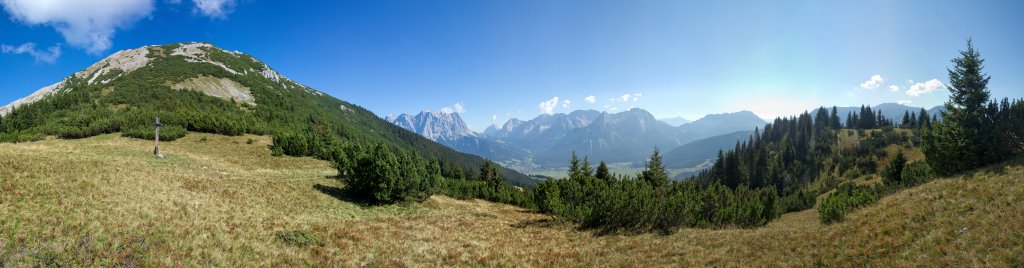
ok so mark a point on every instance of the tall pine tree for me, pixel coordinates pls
(963, 140)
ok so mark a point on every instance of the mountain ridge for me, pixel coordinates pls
(202, 88)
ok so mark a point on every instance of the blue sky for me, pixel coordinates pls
(492, 60)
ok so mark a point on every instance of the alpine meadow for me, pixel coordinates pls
(408, 133)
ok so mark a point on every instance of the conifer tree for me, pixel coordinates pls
(603, 173)
(964, 139)
(654, 173)
(834, 119)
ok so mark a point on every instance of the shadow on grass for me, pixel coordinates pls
(343, 195)
(597, 231)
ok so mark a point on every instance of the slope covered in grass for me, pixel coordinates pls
(224, 202)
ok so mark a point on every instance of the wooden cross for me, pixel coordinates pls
(156, 140)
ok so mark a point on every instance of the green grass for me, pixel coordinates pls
(105, 201)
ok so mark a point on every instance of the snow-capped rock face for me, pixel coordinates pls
(436, 126)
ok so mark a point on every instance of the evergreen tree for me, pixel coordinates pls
(575, 168)
(489, 174)
(964, 139)
(834, 119)
(923, 120)
(603, 173)
(906, 120)
(654, 173)
(894, 171)
(587, 171)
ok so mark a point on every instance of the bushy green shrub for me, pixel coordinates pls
(167, 132)
(18, 136)
(917, 172)
(844, 200)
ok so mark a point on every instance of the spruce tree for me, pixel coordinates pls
(654, 173)
(834, 119)
(963, 140)
(603, 173)
(575, 169)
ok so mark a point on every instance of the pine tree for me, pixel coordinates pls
(575, 169)
(603, 173)
(906, 120)
(587, 171)
(964, 138)
(489, 174)
(923, 120)
(834, 119)
(654, 173)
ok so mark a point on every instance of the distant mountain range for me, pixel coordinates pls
(450, 130)
(549, 139)
(629, 136)
(675, 121)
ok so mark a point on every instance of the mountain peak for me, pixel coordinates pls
(193, 57)
(434, 125)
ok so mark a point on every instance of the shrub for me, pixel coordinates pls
(167, 132)
(847, 198)
(917, 172)
(19, 136)
(893, 173)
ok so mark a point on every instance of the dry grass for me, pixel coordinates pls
(105, 201)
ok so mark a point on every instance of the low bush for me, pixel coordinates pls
(167, 132)
(847, 198)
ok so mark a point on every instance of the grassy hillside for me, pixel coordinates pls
(106, 201)
(202, 88)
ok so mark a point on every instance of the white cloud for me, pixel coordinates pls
(566, 104)
(926, 87)
(874, 82)
(624, 98)
(591, 99)
(87, 24)
(636, 97)
(50, 55)
(217, 9)
(548, 107)
(494, 119)
(904, 102)
(459, 108)
(894, 88)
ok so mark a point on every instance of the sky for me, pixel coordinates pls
(494, 60)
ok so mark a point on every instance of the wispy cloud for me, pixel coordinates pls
(874, 82)
(591, 99)
(49, 55)
(894, 88)
(458, 108)
(904, 102)
(566, 104)
(548, 106)
(217, 9)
